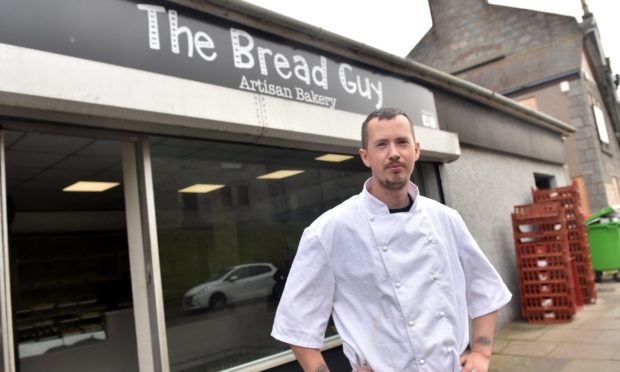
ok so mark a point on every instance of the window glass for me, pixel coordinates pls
(1, 351)
(68, 254)
(259, 269)
(225, 207)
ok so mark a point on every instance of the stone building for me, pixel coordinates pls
(547, 62)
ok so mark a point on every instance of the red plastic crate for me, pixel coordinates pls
(544, 262)
(542, 210)
(548, 301)
(536, 225)
(548, 316)
(578, 246)
(589, 295)
(559, 193)
(545, 276)
(544, 289)
(576, 235)
(540, 249)
(539, 237)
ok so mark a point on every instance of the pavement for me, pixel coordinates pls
(589, 343)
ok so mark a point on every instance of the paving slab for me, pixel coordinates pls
(574, 350)
(521, 331)
(499, 345)
(506, 363)
(604, 324)
(529, 348)
(571, 335)
(590, 314)
(609, 337)
(579, 365)
(590, 342)
(576, 323)
(614, 313)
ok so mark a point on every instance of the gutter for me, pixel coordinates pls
(551, 79)
(275, 23)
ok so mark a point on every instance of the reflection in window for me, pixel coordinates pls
(225, 252)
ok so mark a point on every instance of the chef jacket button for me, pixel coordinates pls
(411, 323)
(421, 361)
(435, 276)
(384, 248)
(371, 219)
(441, 314)
(397, 284)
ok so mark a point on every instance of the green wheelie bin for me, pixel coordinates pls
(603, 229)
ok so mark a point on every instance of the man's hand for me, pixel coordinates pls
(475, 362)
(479, 358)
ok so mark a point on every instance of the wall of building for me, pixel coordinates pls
(479, 126)
(551, 100)
(469, 32)
(484, 186)
(598, 165)
(521, 53)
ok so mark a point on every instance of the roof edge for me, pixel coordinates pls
(275, 23)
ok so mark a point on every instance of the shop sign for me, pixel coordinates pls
(169, 39)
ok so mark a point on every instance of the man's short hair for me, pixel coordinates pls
(384, 113)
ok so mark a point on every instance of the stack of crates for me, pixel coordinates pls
(578, 247)
(545, 267)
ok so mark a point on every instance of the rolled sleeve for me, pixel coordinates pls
(306, 303)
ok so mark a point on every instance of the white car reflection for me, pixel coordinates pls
(234, 284)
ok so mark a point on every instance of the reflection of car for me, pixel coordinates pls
(237, 283)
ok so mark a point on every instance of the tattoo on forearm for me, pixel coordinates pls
(482, 340)
(322, 368)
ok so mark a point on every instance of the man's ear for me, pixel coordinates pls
(364, 156)
(417, 151)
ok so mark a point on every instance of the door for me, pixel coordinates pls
(72, 306)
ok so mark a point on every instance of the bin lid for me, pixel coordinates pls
(603, 213)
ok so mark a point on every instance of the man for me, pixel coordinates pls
(398, 272)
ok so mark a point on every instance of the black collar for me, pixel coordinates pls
(405, 209)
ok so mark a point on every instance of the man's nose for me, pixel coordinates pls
(393, 154)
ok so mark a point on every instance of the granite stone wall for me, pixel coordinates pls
(484, 186)
(469, 32)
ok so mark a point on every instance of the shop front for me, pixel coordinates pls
(159, 164)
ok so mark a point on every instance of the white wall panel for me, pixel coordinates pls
(46, 85)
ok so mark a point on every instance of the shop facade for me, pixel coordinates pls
(213, 134)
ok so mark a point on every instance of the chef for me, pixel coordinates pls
(399, 273)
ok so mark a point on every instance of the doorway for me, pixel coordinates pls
(72, 306)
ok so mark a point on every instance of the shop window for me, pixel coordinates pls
(1, 346)
(69, 261)
(224, 260)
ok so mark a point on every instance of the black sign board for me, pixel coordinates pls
(172, 40)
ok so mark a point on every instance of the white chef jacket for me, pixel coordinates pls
(400, 286)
